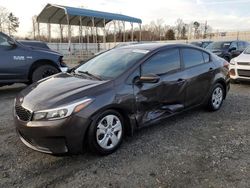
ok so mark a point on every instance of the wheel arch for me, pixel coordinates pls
(129, 119)
(41, 62)
(223, 83)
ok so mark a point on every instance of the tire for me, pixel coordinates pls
(43, 71)
(227, 59)
(216, 97)
(104, 138)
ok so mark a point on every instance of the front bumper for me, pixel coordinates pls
(54, 137)
(239, 72)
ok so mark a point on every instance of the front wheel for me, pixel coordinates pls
(43, 72)
(106, 132)
(216, 97)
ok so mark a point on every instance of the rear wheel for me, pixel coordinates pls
(216, 97)
(106, 132)
(43, 72)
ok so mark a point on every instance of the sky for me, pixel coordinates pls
(222, 15)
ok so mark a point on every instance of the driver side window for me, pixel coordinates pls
(3, 40)
(162, 62)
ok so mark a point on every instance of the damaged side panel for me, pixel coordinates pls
(154, 101)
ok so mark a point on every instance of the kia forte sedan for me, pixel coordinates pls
(97, 103)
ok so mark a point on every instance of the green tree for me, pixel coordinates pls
(13, 23)
(170, 35)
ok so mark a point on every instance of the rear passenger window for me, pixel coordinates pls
(162, 62)
(206, 57)
(192, 57)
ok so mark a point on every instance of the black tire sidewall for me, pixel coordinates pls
(92, 142)
(210, 102)
(227, 58)
(37, 73)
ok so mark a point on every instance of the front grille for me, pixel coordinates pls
(244, 73)
(22, 113)
(244, 63)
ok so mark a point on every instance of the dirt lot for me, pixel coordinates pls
(195, 149)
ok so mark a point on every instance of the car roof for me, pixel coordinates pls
(231, 41)
(154, 46)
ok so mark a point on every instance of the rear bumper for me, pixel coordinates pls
(54, 137)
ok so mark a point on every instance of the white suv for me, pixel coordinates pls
(240, 66)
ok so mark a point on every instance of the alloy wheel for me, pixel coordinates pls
(217, 97)
(109, 132)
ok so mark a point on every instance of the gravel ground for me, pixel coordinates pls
(194, 149)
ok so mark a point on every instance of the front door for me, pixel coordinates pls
(156, 100)
(12, 61)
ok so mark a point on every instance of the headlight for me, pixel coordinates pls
(232, 62)
(61, 112)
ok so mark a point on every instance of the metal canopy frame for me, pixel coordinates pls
(71, 16)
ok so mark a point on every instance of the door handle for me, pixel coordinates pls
(210, 69)
(180, 80)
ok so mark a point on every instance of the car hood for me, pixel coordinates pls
(58, 90)
(43, 50)
(243, 58)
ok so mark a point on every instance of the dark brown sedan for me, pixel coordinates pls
(115, 93)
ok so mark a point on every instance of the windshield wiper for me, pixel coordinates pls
(89, 74)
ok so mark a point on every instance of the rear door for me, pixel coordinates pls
(156, 100)
(199, 73)
(12, 61)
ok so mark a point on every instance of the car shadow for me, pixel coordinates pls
(11, 91)
(242, 82)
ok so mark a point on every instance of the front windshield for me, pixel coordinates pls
(112, 63)
(247, 50)
(3, 40)
(218, 45)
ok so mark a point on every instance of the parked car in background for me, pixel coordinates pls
(240, 66)
(34, 43)
(20, 63)
(117, 92)
(202, 44)
(228, 49)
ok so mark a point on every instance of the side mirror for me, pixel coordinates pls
(232, 49)
(148, 78)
